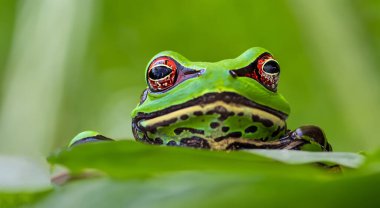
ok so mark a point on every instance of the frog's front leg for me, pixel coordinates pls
(88, 136)
(310, 138)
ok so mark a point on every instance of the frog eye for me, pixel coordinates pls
(161, 74)
(269, 71)
(268, 65)
(264, 70)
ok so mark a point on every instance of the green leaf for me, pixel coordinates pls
(22, 174)
(125, 159)
(140, 175)
(154, 176)
(216, 189)
(352, 160)
(22, 180)
(20, 199)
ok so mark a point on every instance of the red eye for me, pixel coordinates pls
(162, 74)
(264, 70)
(269, 71)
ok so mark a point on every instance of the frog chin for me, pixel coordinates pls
(209, 119)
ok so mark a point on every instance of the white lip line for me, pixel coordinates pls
(255, 105)
(237, 108)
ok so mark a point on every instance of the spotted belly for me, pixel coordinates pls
(213, 121)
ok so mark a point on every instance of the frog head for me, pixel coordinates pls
(217, 105)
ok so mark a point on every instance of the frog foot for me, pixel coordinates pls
(88, 136)
(308, 138)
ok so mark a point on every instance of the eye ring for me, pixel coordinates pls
(269, 71)
(161, 74)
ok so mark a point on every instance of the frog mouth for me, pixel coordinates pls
(225, 104)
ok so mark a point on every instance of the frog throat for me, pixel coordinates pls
(214, 120)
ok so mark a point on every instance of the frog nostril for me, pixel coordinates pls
(233, 74)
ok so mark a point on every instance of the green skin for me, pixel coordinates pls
(179, 116)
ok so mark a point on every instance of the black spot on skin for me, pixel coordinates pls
(225, 128)
(171, 143)
(158, 141)
(168, 122)
(178, 131)
(222, 117)
(235, 134)
(218, 139)
(198, 113)
(153, 131)
(184, 117)
(210, 112)
(161, 123)
(255, 118)
(240, 114)
(195, 142)
(214, 125)
(275, 133)
(265, 122)
(224, 114)
(251, 129)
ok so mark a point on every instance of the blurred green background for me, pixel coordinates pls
(68, 66)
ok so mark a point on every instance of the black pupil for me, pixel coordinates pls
(159, 72)
(271, 67)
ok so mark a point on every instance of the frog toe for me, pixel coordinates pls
(86, 137)
(315, 134)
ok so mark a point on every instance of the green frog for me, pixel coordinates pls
(227, 105)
